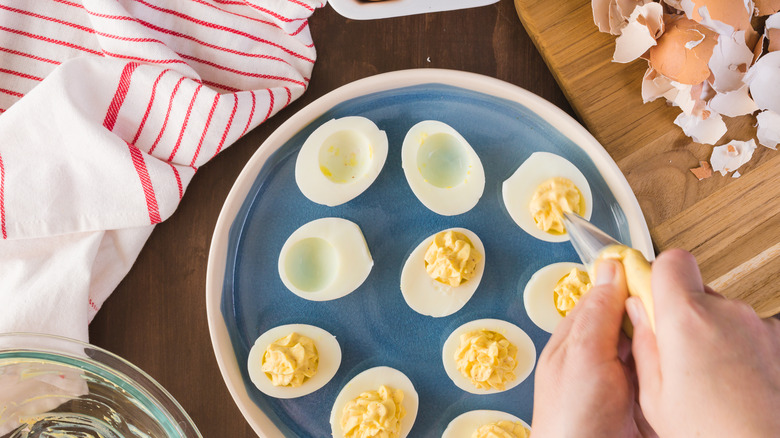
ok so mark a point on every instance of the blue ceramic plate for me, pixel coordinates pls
(245, 297)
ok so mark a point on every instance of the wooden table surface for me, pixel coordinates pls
(157, 316)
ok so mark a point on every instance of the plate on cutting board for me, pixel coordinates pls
(370, 10)
(245, 297)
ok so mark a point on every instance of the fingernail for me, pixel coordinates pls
(636, 311)
(605, 272)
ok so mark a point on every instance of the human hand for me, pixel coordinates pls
(585, 383)
(712, 366)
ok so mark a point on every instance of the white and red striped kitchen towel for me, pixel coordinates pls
(107, 110)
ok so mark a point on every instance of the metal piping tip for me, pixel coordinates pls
(586, 238)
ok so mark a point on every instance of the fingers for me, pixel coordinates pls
(598, 316)
(645, 350)
(608, 273)
(675, 280)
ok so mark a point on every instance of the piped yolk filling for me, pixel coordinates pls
(374, 414)
(502, 429)
(570, 289)
(486, 358)
(451, 258)
(551, 199)
(290, 361)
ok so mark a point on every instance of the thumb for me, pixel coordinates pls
(645, 351)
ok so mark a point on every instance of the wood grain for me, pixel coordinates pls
(731, 225)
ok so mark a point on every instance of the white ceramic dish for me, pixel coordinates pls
(368, 10)
(567, 126)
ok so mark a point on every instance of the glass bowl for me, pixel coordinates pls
(54, 386)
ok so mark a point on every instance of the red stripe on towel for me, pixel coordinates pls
(12, 93)
(28, 55)
(119, 95)
(20, 74)
(205, 130)
(229, 124)
(146, 184)
(184, 125)
(50, 40)
(149, 106)
(167, 115)
(2, 198)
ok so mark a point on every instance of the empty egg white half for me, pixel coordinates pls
(325, 259)
(370, 380)
(430, 297)
(526, 353)
(340, 159)
(519, 188)
(538, 296)
(465, 424)
(442, 169)
(328, 350)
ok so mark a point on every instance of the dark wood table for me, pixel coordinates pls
(156, 318)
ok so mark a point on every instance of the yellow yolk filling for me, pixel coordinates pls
(291, 360)
(374, 414)
(486, 358)
(451, 258)
(570, 289)
(502, 429)
(551, 199)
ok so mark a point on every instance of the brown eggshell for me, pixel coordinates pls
(672, 59)
(767, 7)
(731, 12)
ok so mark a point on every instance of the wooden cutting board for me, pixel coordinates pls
(731, 225)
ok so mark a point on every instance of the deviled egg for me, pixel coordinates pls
(487, 356)
(340, 160)
(442, 169)
(486, 424)
(325, 259)
(540, 190)
(443, 272)
(553, 291)
(381, 399)
(293, 360)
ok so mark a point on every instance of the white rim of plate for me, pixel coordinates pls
(367, 10)
(215, 271)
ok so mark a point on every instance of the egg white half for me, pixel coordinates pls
(370, 380)
(325, 259)
(465, 424)
(449, 152)
(526, 353)
(328, 350)
(430, 297)
(324, 171)
(538, 296)
(519, 188)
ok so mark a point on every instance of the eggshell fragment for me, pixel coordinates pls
(706, 130)
(732, 155)
(764, 83)
(655, 85)
(644, 25)
(768, 132)
(772, 32)
(734, 13)
(734, 103)
(683, 51)
(730, 60)
(611, 16)
(704, 170)
(767, 7)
